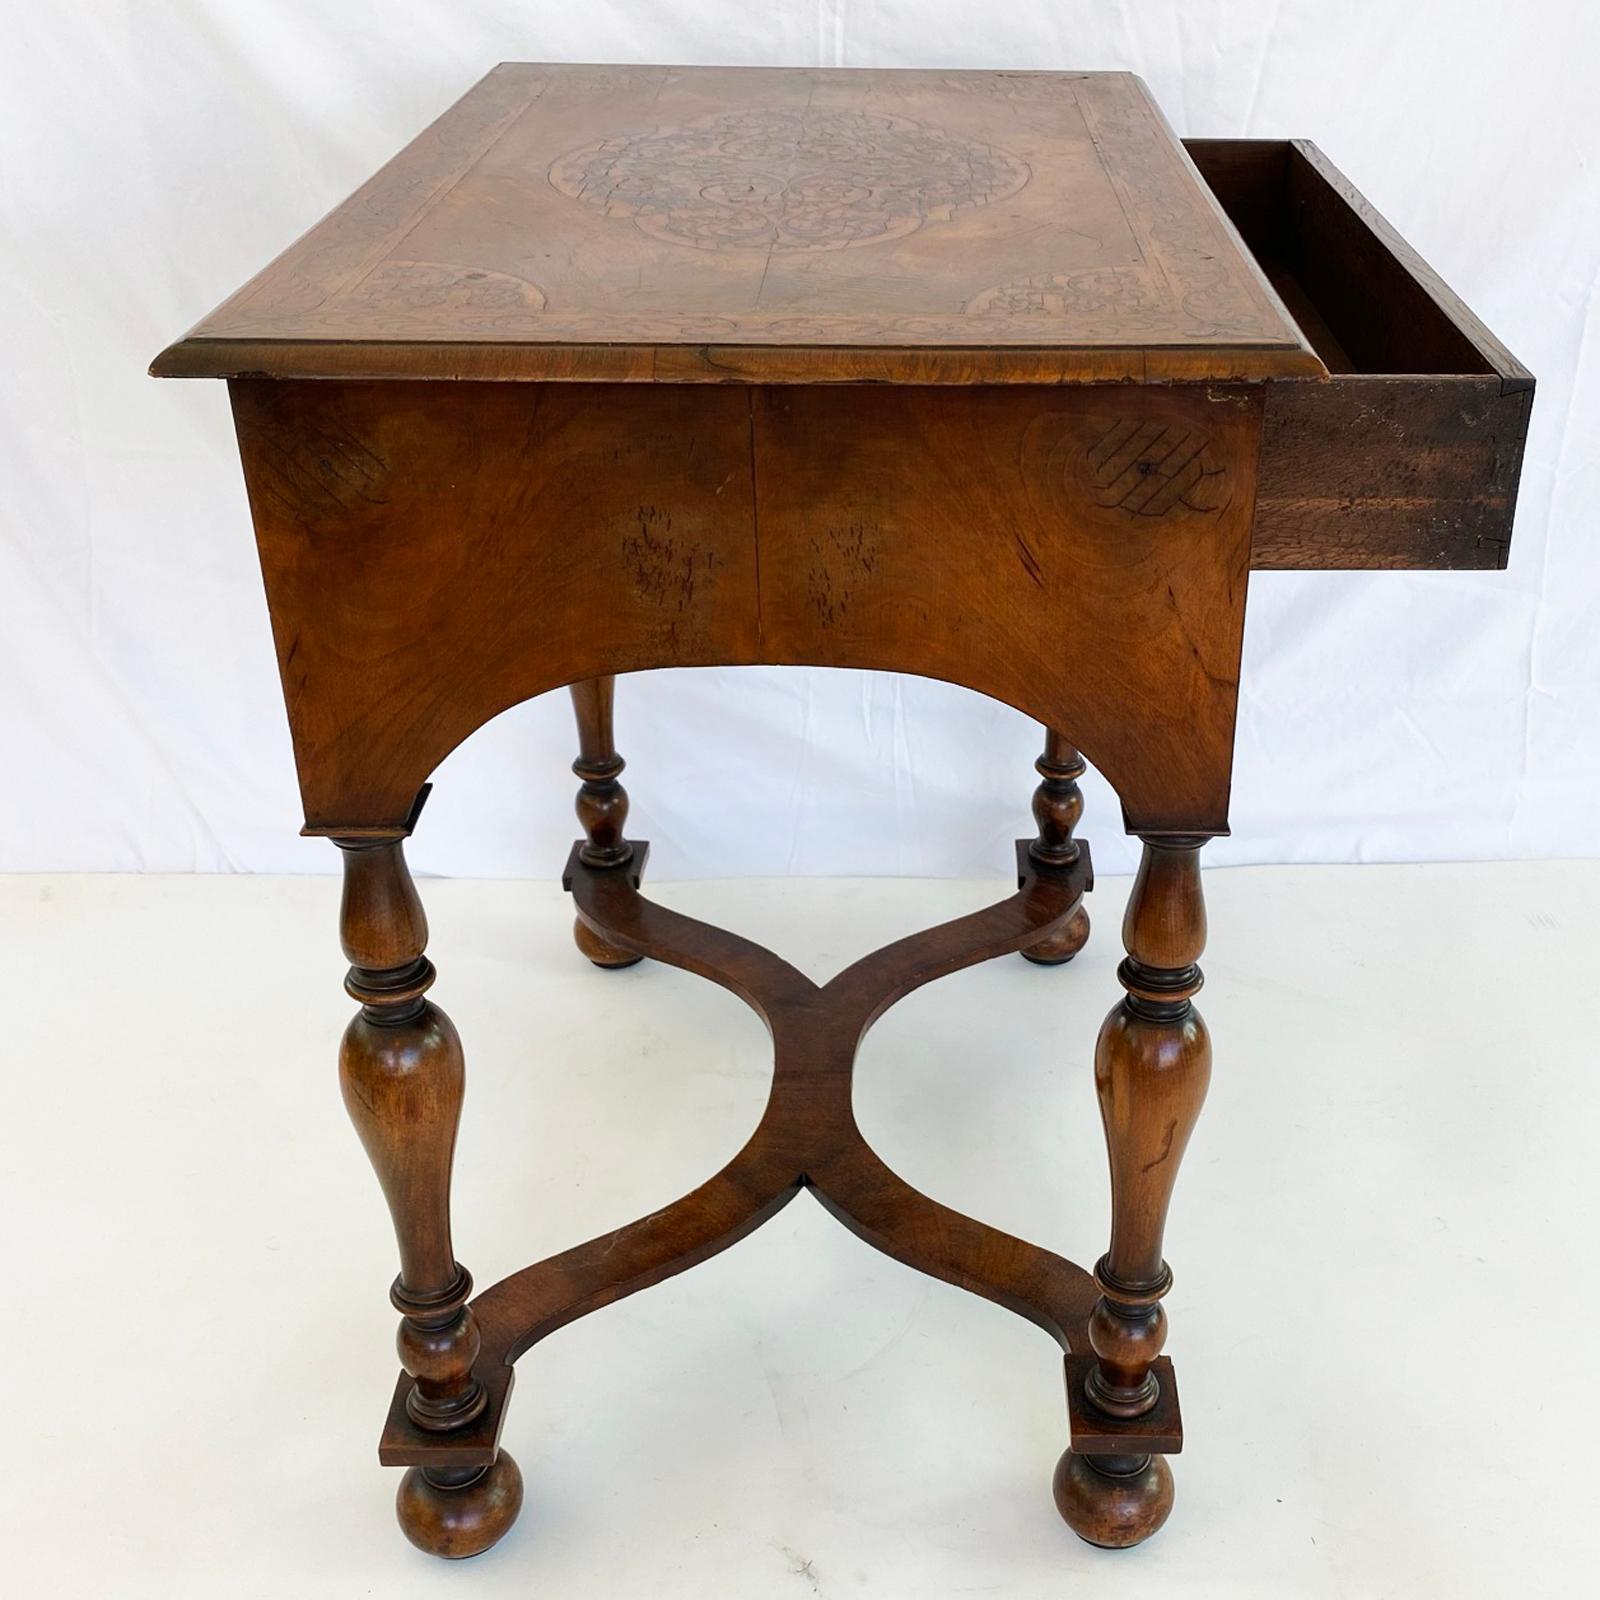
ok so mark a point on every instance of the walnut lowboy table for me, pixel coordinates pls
(983, 376)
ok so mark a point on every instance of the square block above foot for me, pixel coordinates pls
(404, 1444)
(1159, 1431)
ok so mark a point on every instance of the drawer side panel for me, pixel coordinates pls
(1389, 473)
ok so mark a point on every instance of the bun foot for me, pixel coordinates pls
(459, 1514)
(1111, 1507)
(1062, 946)
(598, 951)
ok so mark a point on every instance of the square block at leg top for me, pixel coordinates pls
(404, 1444)
(1159, 1431)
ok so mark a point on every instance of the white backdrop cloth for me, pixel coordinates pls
(154, 154)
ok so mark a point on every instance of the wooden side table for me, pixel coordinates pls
(983, 376)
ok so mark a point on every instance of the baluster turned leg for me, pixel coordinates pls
(1057, 809)
(602, 804)
(400, 1067)
(1152, 1066)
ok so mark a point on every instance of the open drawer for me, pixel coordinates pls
(1408, 456)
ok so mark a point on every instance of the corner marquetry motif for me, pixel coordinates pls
(1123, 293)
(434, 285)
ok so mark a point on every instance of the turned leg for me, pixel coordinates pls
(1057, 809)
(401, 1071)
(602, 804)
(1152, 1065)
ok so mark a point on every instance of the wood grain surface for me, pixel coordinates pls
(770, 225)
(696, 274)
(435, 553)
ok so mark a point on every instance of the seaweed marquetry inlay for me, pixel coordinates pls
(787, 179)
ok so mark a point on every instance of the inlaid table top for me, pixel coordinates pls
(770, 225)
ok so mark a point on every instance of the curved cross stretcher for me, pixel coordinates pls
(807, 1137)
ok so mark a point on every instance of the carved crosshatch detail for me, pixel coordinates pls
(1148, 468)
(787, 179)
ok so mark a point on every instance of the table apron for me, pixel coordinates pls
(435, 553)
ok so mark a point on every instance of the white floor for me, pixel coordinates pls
(1384, 1245)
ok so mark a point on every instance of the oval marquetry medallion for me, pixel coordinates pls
(787, 179)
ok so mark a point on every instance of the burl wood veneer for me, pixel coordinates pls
(982, 376)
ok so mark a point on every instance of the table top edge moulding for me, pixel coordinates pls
(565, 223)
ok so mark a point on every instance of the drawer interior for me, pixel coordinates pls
(1363, 297)
(1409, 454)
